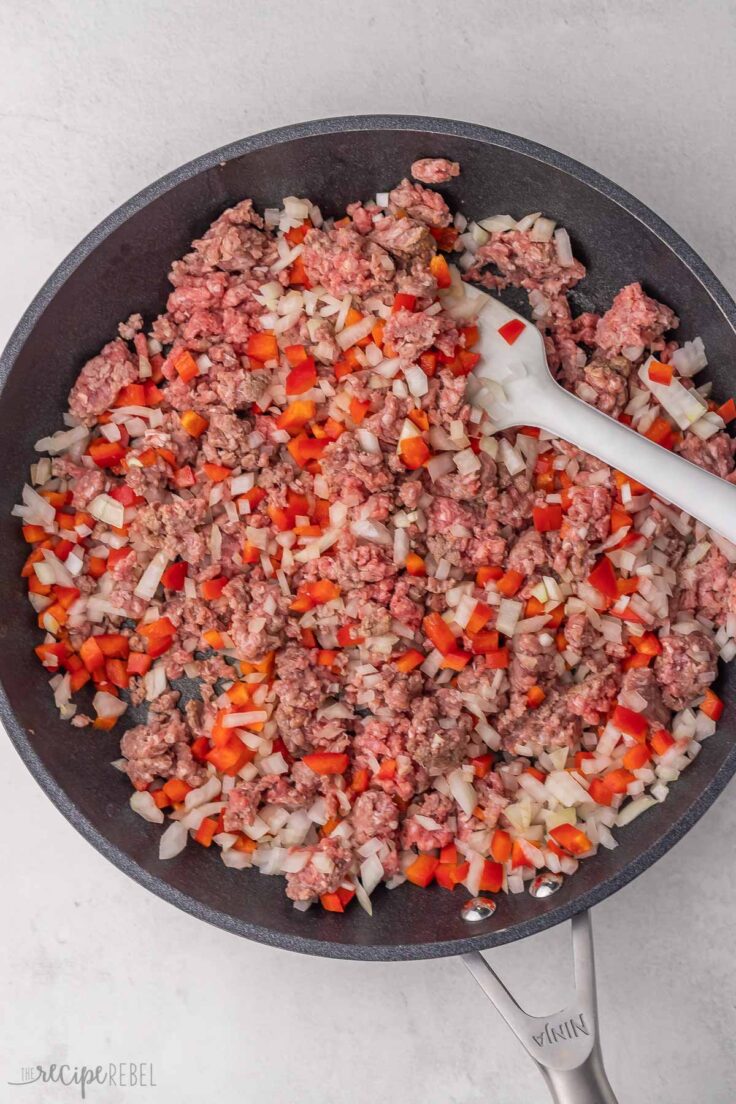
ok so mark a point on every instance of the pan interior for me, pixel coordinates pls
(121, 268)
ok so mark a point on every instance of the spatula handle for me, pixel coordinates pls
(705, 496)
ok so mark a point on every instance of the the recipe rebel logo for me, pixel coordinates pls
(122, 1075)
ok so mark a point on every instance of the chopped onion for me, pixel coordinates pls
(462, 791)
(107, 705)
(563, 248)
(368, 441)
(141, 802)
(373, 531)
(173, 840)
(683, 404)
(108, 510)
(633, 809)
(151, 577)
(509, 613)
(351, 335)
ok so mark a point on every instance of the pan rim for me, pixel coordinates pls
(18, 735)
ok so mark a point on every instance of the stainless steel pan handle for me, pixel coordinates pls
(565, 1045)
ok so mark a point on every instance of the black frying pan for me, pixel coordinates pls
(120, 268)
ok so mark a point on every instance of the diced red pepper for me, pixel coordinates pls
(600, 792)
(629, 722)
(535, 696)
(415, 565)
(404, 301)
(619, 780)
(661, 741)
(456, 661)
(207, 829)
(422, 870)
(345, 637)
(603, 578)
(498, 660)
(327, 762)
(512, 330)
(414, 451)
(211, 589)
(501, 845)
(571, 838)
(509, 583)
(547, 518)
(176, 789)
(185, 365)
(262, 346)
(133, 394)
(193, 423)
(106, 454)
(660, 373)
(479, 618)
(217, 473)
(296, 415)
(184, 477)
(302, 377)
(727, 411)
(491, 878)
(139, 663)
(485, 642)
(306, 449)
(409, 661)
(635, 758)
(482, 764)
(439, 633)
(174, 575)
(440, 269)
(712, 706)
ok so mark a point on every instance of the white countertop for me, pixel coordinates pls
(97, 100)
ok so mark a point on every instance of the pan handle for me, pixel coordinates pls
(564, 1045)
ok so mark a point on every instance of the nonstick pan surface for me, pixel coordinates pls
(120, 268)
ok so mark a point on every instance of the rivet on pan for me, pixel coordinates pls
(544, 885)
(478, 908)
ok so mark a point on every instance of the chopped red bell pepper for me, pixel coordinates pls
(629, 722)
(509, 583)
(185, 365)
(712, 706)
(296, 415)
(440, 269)
(262, 346)
(193, 423)
(217, 473)
(327, 762)
(600, 792)
(660, 373)
(603, 578)
(439, 633)
(414, 451)
(207, 829)
(409, 661)
(491, 878)
(571, 838)
(619, 780)
(422, 870)
(211, 589)
(345, 637)
(133, 394)
(139, 663)
(547, 518)
(302, 377)
(174, 575)
(106, 454)
(635, 758)
(415, 565)
(661, 741)
(498, 660)
(512, 330)
(404, 301)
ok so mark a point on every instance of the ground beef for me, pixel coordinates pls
(521, 262)
(685, 668)
(715, 454)
(434, 806)
(419, 203)
(634, 321)
(608, 380)
(100, 380)
(434, 170)
(313, 881)
(374, 816)
(410, 333)
(304, 557)
(435, 740)
(345, 263)
(160, 749)
(643, 680)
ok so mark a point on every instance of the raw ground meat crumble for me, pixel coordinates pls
(423, 651)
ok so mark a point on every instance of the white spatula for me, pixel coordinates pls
(520, 390)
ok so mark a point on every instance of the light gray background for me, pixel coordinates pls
(97, 99)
